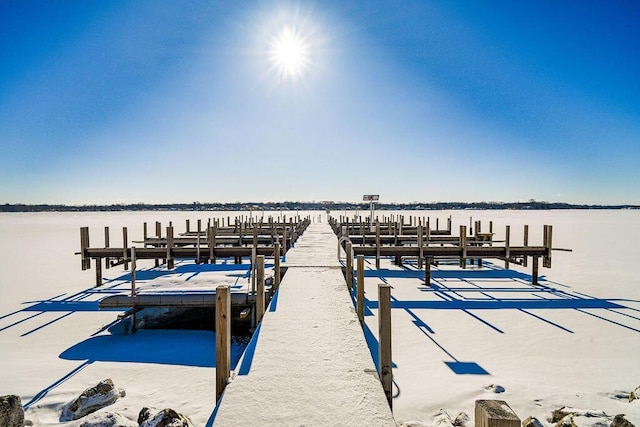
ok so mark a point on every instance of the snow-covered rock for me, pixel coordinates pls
(92, 399)
(108, 419)
(620, 421)
(635, 394)
(532, 422)
(150, 417)
(496, 388)
(11, 412)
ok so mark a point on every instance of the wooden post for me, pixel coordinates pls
(495, 413)
(276, 264)
(384, 340)
(212, 245)
(159, 236)
(84, 245)
(125, 244)
(377, 245)
(349, 266)
(463, 245)
(260, 302)
(360, 289)
(223, 338)
(507, 253)
(427, 271)
(254, 252)
(534, 271)
(188, 226)
(546, 260)
(133, 289)
(170, 260)
(420, 246)
(526, 243)
(98, 272)
(106, 245)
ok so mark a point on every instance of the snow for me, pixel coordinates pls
(54, 343)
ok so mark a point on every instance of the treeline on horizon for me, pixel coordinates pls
(307, 206)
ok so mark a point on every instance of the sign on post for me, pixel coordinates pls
(371, 198)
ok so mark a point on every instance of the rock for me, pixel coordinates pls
(634, 395)
(92, 399)
(495, 388)
(560, 414)
(532, 422)
(11, 412)
(442, 419)
(108, 419)
(620, 421)
(165, 418)
(461, 420)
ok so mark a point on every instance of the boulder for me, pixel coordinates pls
(620, 421)
(108, 419)
(149, 417)
(92, 399)
(11, 412)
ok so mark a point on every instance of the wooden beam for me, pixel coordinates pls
(276, 264)
(360, 289)
(260, 302)
(125, 248)
(170, 259)
(98, 272)
(85, 261)
(106, 245)
(349, 266)
(507, 238)
(384, 340)
(223, 338)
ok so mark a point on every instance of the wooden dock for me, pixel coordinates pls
(310, 351)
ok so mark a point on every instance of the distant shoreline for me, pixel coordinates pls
(306, 206)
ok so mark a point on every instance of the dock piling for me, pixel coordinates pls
(384, 339)
(223, 338)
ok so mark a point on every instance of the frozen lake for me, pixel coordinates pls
(448, 343)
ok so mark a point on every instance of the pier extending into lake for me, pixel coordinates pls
(310, 351)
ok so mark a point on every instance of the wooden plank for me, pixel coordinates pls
(495, 413)
(223, 338)
(384, 340)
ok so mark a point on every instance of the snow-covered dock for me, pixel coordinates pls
(309, 352)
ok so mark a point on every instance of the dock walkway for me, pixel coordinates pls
(311, 365)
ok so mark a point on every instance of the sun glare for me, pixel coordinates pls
(289, 54)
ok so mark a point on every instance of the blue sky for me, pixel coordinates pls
(166, 101)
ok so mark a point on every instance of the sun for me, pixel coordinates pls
(289, 54)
